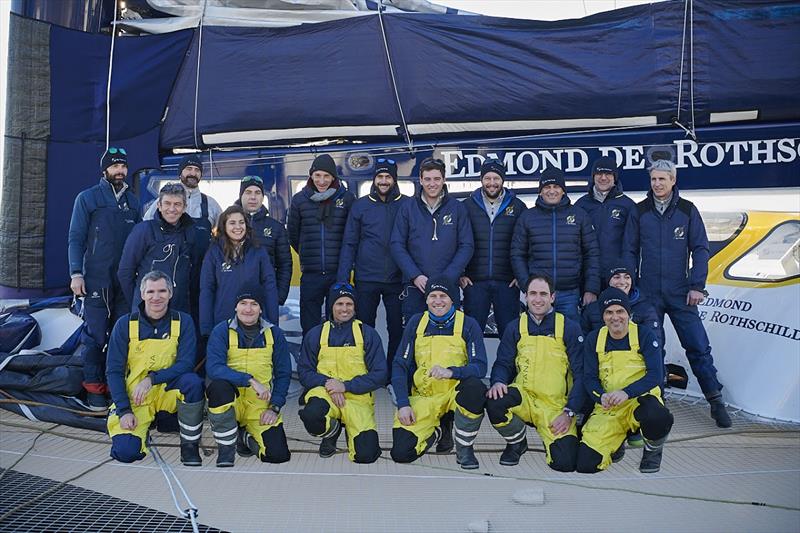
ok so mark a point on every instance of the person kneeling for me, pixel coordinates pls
(443, 357)
(150, 357)
(622, 373)
(249, 368)
(341, 363)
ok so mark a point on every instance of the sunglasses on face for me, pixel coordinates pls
(114, 150)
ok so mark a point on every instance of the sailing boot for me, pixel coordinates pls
(246, 445)
(445, 444)
(619, 454)
(466, 430)
(516, 442)
(651, 456)
(718, 411)
(327, 448)
(190, 421)
(225, 429)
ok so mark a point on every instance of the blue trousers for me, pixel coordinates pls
(482, 295)
(101, 310)
(369, 294)
(692, 336)
(314, 287)
(413, 301)
(567, 302)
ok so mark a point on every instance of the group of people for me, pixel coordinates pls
(195, 290)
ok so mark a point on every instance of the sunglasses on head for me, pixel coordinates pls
(114, 150)
(342, 285)
(253, 178)
(434, 160)
(386, 160)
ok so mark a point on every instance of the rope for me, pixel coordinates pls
(21, 457)
(108, 85)
(190, 513)
(688, 21)
(197, 74)
(406, 133)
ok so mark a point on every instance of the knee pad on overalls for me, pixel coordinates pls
(166, 422)
(564, 454)
(471, 395)
(220, 392)
(275, 445)
(498, 410)
(404, 446)
(126, 448)
(367, 448)
(655, 419)
(588, 460)
(191, 386)
(313, 415)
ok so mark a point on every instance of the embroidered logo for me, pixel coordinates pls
(226, 267)
(680, 232)
(95, 294)
(267, 232)
(655, 344)
(580, 338)
(616, 214)
(510, 210)
(340, 203)
(447, 220)
(571, 220)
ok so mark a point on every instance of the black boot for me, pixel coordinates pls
(651, 456)
(226, 455)
(190, 453)
(718, 411)
(619, 454)
(445, 444)
(513, 452)
(465, 456)
(327, 448)
(243, 444)
(190, 421)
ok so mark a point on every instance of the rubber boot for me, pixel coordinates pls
(445, 444)
(513, 452)
(718, 411)
(516, 442)
(651, 456)
(327, 448)
(619, 454)
(246, 445)
(225, 430)
(466, 430)
(190, 421)
(635, 440)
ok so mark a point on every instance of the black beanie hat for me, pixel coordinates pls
(619, 268)
(389, 166)
(606, 164)
(252, 292)
(613, 296)
(440, 284)
(191, 160)
(493, 165)
(341, 290)
(113, 156)
(325, 163)
(554, 176)
(249, 181)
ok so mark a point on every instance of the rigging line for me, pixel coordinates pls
(691, 65)
(683, 50)
(190, 513)
(406, 133)
(21, 457)
(197, 73)
(108, 84)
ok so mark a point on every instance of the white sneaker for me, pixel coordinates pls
(391, 394)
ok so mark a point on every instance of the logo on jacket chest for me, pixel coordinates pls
(340, 203)
(570, 220)
(616, 214)
(267, 232)
(679, 232)
(447, 220)
(509, 211)
(226, 266)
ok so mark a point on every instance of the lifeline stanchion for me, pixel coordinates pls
(190, 513)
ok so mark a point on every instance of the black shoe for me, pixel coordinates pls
(465, 456)
(226, 455)
(96, 402)
(327, 448)
(190, 453)
(651, 459)
(446, 444)
(243, 445)
(719, 413)
(513, 452)
(619, 454)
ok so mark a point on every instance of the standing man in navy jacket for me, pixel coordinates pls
(365, 248)
(609, 209)
(489, 280)
(102, 218)
(317, 216)
(664, 235)
(432, 237)
(556, 238)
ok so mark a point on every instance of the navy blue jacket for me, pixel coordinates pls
(367, 236)
(504, 369)
(117, 358)
(342, 335)
(558, 241)
(156, 245)
(434, 245)
(650, 350)
(491, 259)
(642, 313)
(221, 281)
(661, 245)
(217, 358)
(271, 235)
(609, 219)
(405, 363)
(316, 229)
(97, 231)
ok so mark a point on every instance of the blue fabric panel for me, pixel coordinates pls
(71, 168)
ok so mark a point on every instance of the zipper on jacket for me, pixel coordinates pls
(491, 246)
(555, 258)
(322, 244)
(96, 238)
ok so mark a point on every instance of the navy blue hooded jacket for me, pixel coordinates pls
(217, 358)
(609, 219)
(271, 235)
(97, 231)
(558, 241)
(642, 313)
(434, 245)
(367, 236)
(661, 245)
(316, 229)
(491, 259)
(172, 249)
(221, 282)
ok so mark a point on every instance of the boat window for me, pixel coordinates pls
(775, 258)
(723, 226)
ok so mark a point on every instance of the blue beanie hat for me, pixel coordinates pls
(252, 291)
(112, 156)
(383, 164)
(613, 296)
(325, 163)
(341, 290)
(442, 284)
(191, 160)
(552, 176)
(606, 164)
(492, 164)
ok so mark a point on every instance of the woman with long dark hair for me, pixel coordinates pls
(233, 261)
